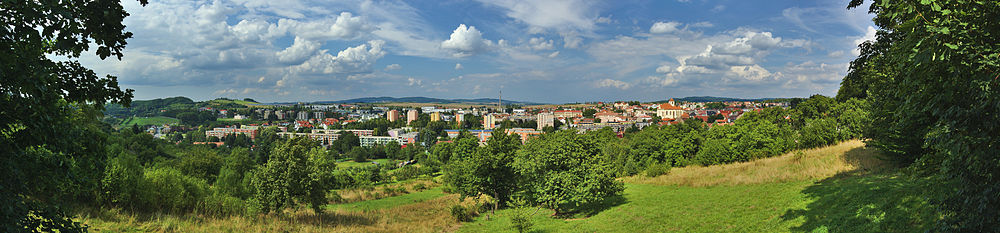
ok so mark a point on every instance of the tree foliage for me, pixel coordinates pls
(930, 77)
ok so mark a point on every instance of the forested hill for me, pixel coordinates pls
(154, 107)
(384, 99)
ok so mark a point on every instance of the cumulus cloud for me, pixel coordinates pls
(466, 41)
(300, 50)
(603, 83)
(752, 72)
(393, 67)
(351, 60)
(539, 43)
(345, 26)
(458, 66)
(664, 27)
(554, 54)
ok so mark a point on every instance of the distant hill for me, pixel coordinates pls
(712, 99)
(372, 100)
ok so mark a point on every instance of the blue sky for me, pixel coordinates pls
(542, 51)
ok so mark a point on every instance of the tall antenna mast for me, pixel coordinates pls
(500, 101)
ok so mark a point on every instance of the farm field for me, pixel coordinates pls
(159, 120)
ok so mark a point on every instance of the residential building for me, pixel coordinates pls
(568, 113)
(546, 119)
(303, 115)
(489, 121)
(250, 131)
(319, 115)
(392, 115)
(524, 133)
(459, 117)
(608, 116)
(411, 116)
(436, 116)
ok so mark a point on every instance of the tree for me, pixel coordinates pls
(563, 169)
(930, 76)
(297, 170)
(487, 171)
(588, 113)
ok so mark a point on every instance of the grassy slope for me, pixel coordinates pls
(160, 120)
(835, 189)
(350, 164)
(389, 202)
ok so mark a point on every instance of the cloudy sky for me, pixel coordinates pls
(545, 51)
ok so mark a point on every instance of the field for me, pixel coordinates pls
(841, 188)
(148, 121)
(351, 163)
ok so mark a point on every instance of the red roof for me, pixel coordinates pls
(670, 107)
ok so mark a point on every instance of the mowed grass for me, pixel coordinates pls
(141, 121)
(842, 188)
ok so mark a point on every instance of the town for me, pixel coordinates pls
(325, 122)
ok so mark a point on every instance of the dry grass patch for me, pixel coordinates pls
(428, 216)
(383, 191)
(849, 156)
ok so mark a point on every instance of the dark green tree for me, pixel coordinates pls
(38, 151)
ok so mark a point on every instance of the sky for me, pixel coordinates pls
(557, 51)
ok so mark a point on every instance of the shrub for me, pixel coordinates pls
(172, 191)
(419, 187)
(521, 221)
(220, 204)
(657, 169)
(460, 213)
(122, 182)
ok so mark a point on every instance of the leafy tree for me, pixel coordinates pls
(122, 183)
(588, 113)
(930, 77)
(563, 169)
(488, 170)
(297, 170)
(233, 177)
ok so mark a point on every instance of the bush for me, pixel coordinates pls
(219, 204)
(122, 183)
(657, 169)
(521, 221)
(419, 187)
(170, 190)
(461, 213)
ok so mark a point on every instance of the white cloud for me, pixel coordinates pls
(752, 72)
(554, 54)
(458, 66)
(664, 27)
(351, 60)
(466, 41)
(869, 35)
(345, 27)
(613, 83)
(570, 18)
(539, 43)
(300, 50)
(414, 82)
(603, 19)
(393, 67)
